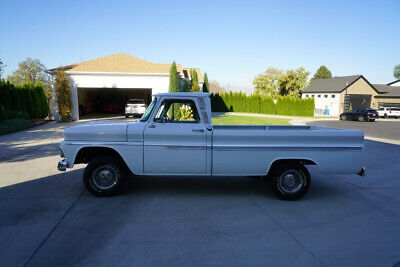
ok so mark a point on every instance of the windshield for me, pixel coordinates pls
(146, 115)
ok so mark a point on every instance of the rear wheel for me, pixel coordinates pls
(372, 120)
(104, 176)
(290, 181)
(343, 118)
(126, 116)
(361, 118)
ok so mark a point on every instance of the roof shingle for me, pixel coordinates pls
(331, 85)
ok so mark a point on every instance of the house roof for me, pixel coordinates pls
(394, 82)
(387, 91)
(123, 63)
(331, 85)
(187, 74)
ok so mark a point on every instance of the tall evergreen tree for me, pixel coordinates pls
(322, 73)
(195, 81)
(173, 79)
(206, 85)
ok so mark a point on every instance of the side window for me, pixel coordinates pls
(177, 111)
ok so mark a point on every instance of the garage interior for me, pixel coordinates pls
(105, 102)
(353, 101)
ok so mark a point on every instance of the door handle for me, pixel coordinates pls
(198, 130)
(152, 126)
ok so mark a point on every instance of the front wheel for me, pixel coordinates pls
(104, 176)
(343, 118)
(290, 182)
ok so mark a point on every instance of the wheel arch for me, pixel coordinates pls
(86, 153)
(300, 161)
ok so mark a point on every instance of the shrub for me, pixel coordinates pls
(63, 96)
(281, 105)
(13, 125)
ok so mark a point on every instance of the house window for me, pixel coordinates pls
(185, 73)
(319, 96)
(326, 96)
(306, 95)
(312, 96)
(333, 96)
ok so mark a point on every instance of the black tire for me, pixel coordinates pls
(372, 120)
(103, 164)
(385, 116)
(361, 118)
(126, 116)
(343, 118)
(287, 193)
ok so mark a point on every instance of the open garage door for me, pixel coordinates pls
(108, 102)
(357, 101)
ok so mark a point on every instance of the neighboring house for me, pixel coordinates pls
(105, 84)
(389, 94)
(335, 95)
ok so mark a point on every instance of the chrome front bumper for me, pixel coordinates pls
(62, 165)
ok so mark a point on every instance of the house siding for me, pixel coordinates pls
(360, 87)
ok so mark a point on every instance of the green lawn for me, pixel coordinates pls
(248, 120)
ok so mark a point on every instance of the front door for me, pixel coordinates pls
(175, 140)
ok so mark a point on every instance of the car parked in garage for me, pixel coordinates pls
(363, 114)
(387, 112)
(135, 107)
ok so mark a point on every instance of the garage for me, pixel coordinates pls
(105, 102)
(357, 101)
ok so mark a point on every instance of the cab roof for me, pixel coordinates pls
(184, 94)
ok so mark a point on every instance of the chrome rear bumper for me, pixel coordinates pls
(62, 165)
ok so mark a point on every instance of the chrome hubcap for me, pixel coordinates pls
(105, 177)
(291, 181)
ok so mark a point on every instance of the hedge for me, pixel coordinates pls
(28, 98)
(281, 105)
(14, 125)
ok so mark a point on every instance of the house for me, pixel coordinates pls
(389, 94)
(105, 84)
(338, 94)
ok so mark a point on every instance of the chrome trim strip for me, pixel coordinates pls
(282, 148)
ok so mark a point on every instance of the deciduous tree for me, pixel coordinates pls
(292, 82)
(31, 70)
(215, 87)
(266, 83)
(396, 71)
(1, 67)
(322, 73)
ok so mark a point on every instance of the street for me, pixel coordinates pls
(47, 218)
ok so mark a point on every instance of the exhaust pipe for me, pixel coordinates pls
(362, 172)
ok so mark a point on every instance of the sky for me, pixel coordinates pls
(232, 41)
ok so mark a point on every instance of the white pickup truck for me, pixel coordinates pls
(175, 136)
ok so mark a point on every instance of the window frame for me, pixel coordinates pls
(162, 99)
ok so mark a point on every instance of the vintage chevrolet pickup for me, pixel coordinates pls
(175, 136)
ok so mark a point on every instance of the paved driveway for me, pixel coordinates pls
(48, 219)
(387, 129)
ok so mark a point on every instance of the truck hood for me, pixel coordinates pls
(110, 131)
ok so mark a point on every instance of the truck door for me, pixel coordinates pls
(175, 139)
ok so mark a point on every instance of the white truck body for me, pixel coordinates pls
(204, 149)
(159, 148)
